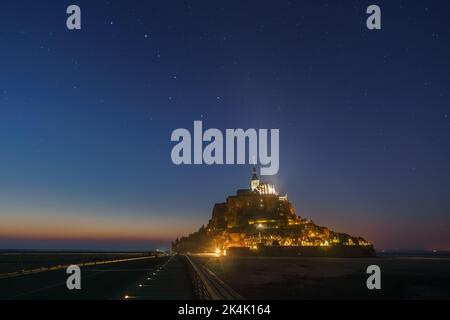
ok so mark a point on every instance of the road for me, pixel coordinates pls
(169, 278)
(161, 278)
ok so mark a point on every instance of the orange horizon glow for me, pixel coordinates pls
(66, 227)
(57, 227)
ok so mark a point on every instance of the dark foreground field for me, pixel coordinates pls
(333, 278)
(167, 278)
(105, 281)
(18, 261)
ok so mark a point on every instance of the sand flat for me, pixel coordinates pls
(333, 278)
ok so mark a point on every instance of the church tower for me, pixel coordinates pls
(254, 183)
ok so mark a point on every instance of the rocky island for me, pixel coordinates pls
(259, 221)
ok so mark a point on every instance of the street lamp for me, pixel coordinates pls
(260, 226)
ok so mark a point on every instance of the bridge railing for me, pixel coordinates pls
(207, 285)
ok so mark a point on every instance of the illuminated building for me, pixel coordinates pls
(259, 217)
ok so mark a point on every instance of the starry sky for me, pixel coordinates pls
(86, 117)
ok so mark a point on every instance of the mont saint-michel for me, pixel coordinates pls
(259, 221)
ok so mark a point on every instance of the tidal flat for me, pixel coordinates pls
(299, 278)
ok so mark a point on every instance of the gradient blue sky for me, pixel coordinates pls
(86, 117)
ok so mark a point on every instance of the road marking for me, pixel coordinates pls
(61, 267)
(45, 288)
(99, 272)
(112, 270)
(158, 271)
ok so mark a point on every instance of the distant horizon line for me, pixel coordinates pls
(79, 250)
(28, 250)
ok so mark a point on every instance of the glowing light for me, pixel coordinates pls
(324, 244)
(266, 188)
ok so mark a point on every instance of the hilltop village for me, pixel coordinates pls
(259, 220)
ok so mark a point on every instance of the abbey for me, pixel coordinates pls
(229, 150)
(258, 220)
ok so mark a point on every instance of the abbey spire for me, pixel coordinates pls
(254, 183)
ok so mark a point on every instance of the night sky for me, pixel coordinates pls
(86, 117)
